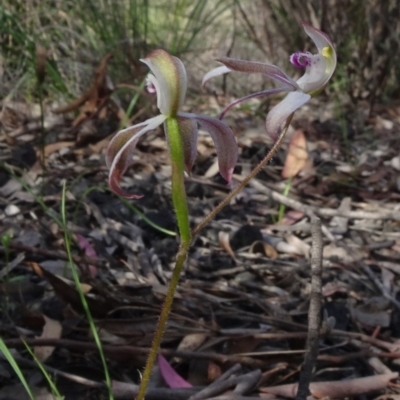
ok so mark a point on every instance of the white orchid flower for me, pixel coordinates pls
(319, 68)
(168, 80)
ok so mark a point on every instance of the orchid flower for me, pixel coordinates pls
(319, 69)
(168, 80)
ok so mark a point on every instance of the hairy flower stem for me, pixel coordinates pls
(181, 211)
(42, 129)
(245, 181)
(182, 215)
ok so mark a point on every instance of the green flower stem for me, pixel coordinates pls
(244, 182)
(181, 210)
(178, 178)
(182, 215)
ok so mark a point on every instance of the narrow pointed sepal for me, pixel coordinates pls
(120, 150)
(320, 38)
(249, 97)
(224, 141)
(189, 132)
(322, 65)
(215, 72)
(254, 67)
(279, 114)
(170, 80)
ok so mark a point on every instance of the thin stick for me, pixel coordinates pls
(314, 316)
(381, 287)
(245, 181)
(311, 211)
(54, 254)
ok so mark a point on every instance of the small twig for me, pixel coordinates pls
(247, 382)
(322, 212)
(55, 254)
(121, 390)
(314, 316)
(392, 347)
(72, 377)
(258, 168)
(229, 372)
(381, 287)
(345, 359)
(112, 350)
(242, 384)
(234, 397)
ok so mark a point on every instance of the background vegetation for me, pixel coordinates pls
(77, 34)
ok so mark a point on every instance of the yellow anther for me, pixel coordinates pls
(327, 52)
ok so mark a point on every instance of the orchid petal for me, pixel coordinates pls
(314, 78)
(215, 72)
(119, 140)
(154, 87)
(251, 96)
(322, 65)
(120, 149)
(170, 74)
(252, 67)
(224, 141)
(189, 131)
(282, 111)
(320, 39)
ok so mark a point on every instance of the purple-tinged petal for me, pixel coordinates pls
(215, 72)
(320, 38)
(252, 96)
(315, 77)
(188, 130)
(120, 149)
(151, 84)
(281, 112)
(120, 139)
(323, 64)
(170, 74)
(301, 59)
(253, 67)
(224, 141)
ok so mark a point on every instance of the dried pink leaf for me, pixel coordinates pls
(171, 377)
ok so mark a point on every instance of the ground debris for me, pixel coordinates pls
(238, 323)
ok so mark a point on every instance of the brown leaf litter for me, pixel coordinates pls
(238, 324)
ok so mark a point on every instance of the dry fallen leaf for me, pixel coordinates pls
(223, 239)
(300, 246)
(53, 147)
(291, 217)
(95, 98)
(192, 341)
(171, 377)
(213, 371)
(265, 249)
(297, 156)
(51, 330)
(66, 291)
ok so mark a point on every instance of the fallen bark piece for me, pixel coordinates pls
(335, 390)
